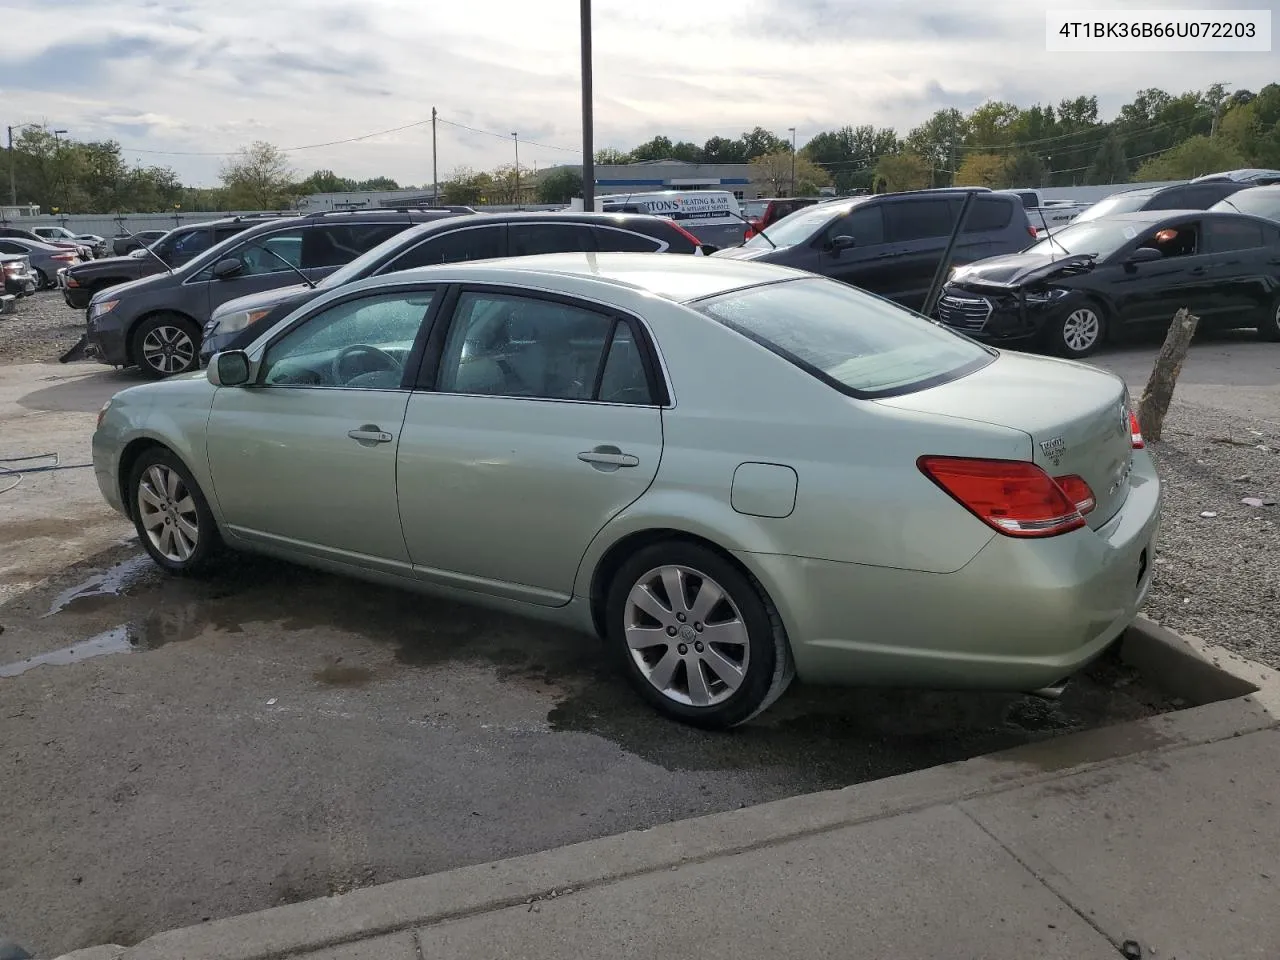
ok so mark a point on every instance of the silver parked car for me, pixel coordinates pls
(730, 471)
(45, 259)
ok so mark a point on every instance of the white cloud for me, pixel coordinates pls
(181, 75)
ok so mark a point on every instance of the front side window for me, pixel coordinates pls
(857, 343)
(865, 224)
(456, 246)
(514, 346)
(358, 344)
(527, 239)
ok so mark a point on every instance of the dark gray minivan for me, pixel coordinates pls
(890, 244)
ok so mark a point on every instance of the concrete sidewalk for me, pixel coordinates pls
(1162, 834)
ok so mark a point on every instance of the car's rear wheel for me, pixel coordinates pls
(1080, 332)
(171, 515)
(42, 279)
(698, 638)
(165, 344)
(1269, 328)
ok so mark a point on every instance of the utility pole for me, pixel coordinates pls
(588, 154)
(435, 175)
(13, 182)
(515, 138)
(793, 160)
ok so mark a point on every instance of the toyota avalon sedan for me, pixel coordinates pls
(847, 492)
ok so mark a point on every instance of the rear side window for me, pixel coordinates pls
(226, 233)
(987, 214)
(918, 219)
(185, 246)
(624, 241)
(859, 344)
(1225, 235)
(528, 239)
(334, 244)
(478, 243)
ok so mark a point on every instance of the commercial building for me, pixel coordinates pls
(678, 175)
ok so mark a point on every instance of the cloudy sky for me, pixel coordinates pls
(172, 79)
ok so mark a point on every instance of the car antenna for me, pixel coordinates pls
(305, 279)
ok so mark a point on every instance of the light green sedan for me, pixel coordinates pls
(734, 473)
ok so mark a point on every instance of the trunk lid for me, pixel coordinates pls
(1076, 416)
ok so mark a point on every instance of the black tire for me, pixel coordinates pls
(769, 667)
(154, 467)
(165, 345)
(42, 281)
(1067, 337)
(1269, 328)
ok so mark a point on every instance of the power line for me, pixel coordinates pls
(507, 137)
(1103, 128)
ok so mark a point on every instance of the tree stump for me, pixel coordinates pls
(1154, 403)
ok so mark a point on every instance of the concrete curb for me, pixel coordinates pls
(467, 891)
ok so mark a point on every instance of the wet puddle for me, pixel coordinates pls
(121, 639)
(99, 590)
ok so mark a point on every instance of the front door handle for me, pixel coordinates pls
(1199, 271)
(608, 457)
(370, 435)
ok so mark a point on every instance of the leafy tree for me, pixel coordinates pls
(611, 156)
(686, 151)
(902, 171)
(760, 141)
(377, 184)
(326, 181)
(937, 142)
(259, 177)
(1110, 165)
(722, 150)
(1192, 158)
(849, 155)
(659, 148)
(466, 187)
(560, 185)
(775, 169)
(982, 170)
(1024, 169)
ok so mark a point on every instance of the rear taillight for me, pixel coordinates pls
(687, 235)
(1135, 432)
(1032, 230)
(64, 256)
(1078, 492)
(1013, 497)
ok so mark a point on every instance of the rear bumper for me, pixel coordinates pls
(1020, 616)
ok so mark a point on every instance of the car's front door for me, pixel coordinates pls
(864, 263)
(541, 421)
(266, 261)
(1147, 295)
(305, 458)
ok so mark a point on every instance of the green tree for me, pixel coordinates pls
(982, 170)
(1192, 158)
(259, 177)
(1110, 164)
(560, 185)
(775, 170)
(377, 184)
(326, 181)
(466, 187)
(723, 150)
(849, 155)
(902, 171)
(1024, 169)
(612, 157)
(937, 141)
(760, 141)
(659, 148)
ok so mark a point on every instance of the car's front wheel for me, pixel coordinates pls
(697, 637)
(171, 515)
(165, 344)
(1079, 332)
(1269, 328)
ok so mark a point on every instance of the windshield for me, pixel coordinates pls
(1260, 203)
(1118, 203)
(795, 228)
(856, 342)
(1100, 238)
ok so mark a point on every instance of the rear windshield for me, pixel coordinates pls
(858, 343)
(1260, 202)
(1117, 203)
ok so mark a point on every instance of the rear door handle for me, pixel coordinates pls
(608, 456)
(1199, 271)
(370, 434)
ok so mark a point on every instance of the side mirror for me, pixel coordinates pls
(841, 242)
(229, 369)
(1144, 255)
(227, 268)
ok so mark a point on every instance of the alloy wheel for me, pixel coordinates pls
(686, 636)
(1081, 329)
(168, 513)
(168, 349)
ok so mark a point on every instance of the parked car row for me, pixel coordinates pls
(45, 259)
(15, 270)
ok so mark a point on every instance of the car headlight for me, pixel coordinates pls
(958, 272)
(235, 322)
(103, 412)
(1045, 296)
(99, 307)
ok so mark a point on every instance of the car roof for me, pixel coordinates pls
(676, 278)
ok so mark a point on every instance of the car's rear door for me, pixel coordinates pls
(527, 238)
(1245, 267)
(540, 421)
(917, 229)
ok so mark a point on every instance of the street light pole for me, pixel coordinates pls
(435, 175)
(588, 154)
(793, 160)
(515, 138)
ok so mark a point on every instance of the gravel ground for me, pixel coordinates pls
(1219, 575)
(42, 327)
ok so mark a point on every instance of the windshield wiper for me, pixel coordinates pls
(305, 279)
(758, 233)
